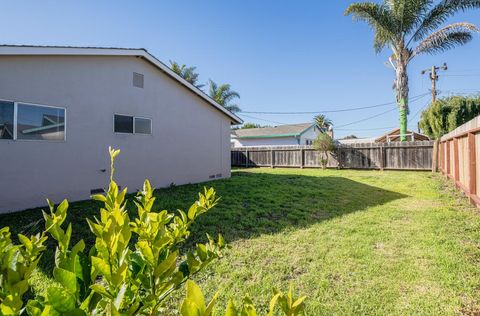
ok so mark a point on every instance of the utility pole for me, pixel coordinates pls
(434, 78)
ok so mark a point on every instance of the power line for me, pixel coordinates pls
(367, 118)
(335, 111)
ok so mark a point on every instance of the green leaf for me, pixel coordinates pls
(146, 252)
(101, 267)
(211, 305)
(194, 294)
(189, 308)
(100, 289)
(11, 305)
(61, 300)
(66, 278)
(231, 309)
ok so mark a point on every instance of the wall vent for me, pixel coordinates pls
(137, 80)
(218, 175)
(211, 176)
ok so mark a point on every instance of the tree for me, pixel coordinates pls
(411, 28)
(447, 114)
(350, 137)
(323, 122)
(187, 73)
(223, 95)
(250, 125)
(324, 144)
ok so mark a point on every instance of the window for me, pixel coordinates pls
(6, 120)
(143, 125)
(36, 122)
(132, 125)
(123, 124)
(31, 122)
(309, 142)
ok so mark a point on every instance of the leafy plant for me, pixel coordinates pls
(112, 278)
(324, 144)
(446, 114)
(194, 304)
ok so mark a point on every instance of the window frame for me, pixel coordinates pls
(133, 119)
(15, 122)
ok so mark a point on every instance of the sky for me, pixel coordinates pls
(281, 56)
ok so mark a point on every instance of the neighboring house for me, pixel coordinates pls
(62, 107)
(282, 135)
(392, 136)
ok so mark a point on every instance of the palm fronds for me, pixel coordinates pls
(448, 37)
(187, 73)
(223, 95)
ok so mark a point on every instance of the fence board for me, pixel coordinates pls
(395, 155)
(461, 158)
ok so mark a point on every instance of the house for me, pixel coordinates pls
(62, 107)
(391, 136)
(281, 135)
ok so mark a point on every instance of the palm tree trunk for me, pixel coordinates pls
(402, 97)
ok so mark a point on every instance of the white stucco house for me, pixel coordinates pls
(281, 135)
(62, 107)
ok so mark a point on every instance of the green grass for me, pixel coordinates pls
(354, 242)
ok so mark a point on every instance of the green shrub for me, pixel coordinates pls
(324, 144)
(113, 278)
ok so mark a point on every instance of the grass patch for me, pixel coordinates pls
(355, 242)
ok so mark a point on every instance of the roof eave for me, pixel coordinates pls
(11, 50)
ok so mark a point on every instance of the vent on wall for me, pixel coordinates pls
(137, 80)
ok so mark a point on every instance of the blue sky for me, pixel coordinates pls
(279, 55)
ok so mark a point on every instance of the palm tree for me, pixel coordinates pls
(411, 28)
(187, 73)
(223, 95)
(323, 123)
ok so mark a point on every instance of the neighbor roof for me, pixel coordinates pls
(25, 50)
(394, 135)
(291, 130)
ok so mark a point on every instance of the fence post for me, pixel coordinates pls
(472, 165)
(272, 158)
(246, 158)
(302, 158)
(455, 160)
(447, 144)
(382, 157)
(435, 156)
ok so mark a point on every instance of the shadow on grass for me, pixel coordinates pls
(251, 204)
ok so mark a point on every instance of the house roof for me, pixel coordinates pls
(26, 50)
(291, 130)
(394, 135)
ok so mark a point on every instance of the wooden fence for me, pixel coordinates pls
(459, 153)
(395, 155)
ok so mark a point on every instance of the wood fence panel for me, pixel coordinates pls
(410, 155)
(459, 163)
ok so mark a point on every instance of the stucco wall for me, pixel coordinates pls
(190, 139)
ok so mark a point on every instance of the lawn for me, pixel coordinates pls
(354, 242)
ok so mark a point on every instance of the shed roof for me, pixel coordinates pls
(290, 130)
(28, 50)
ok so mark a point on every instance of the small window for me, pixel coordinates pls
(123, 124)
(35, 122)
(143, 126)
(6, 120)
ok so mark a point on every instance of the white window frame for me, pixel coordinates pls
(133, 118)
(15, 122)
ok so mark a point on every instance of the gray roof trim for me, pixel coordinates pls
(26, 50)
